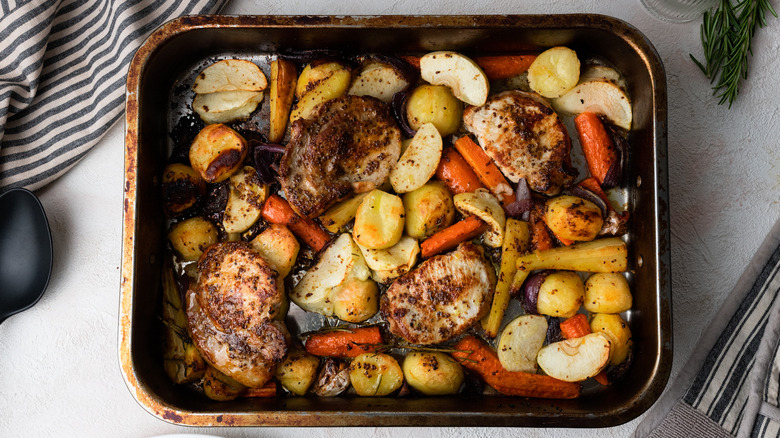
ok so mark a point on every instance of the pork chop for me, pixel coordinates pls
(232, 312)
(443, 297)
(348, 146)
(525, 138)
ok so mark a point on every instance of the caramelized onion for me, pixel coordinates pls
(614, 175)
(398, 106)
(265, 157)
(523, 201)
(531, 291)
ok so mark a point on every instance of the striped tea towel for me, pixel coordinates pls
(63, 65)
(731, 384)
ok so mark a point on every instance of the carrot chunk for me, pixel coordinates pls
(269, 390)
(504, 66)
(486, 169)
(456, 172)
(344, 343)
(575, 327)
(453, 235)
(278, 211)
(597, 145)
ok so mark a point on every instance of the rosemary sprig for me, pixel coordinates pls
(726, 35)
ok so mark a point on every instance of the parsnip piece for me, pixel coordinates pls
(282, 94)
(230, 75)
(342, 213)
(602, 255)
(574, 360)
(464, 77)
(418, 163)
(181, 359)
(554, 72)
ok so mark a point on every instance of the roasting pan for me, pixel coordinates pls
(179, 47)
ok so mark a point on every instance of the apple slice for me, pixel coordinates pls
(230, 75)
(419, 162)
(597, 96)
(464, 77)
(574, 360)
(520, 343)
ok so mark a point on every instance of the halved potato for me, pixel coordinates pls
(283, 80)
(278, 246)
(428, 210)
(319, 84)
(388, 264)
(379, 220)
(574, 360)
(182, 186)
(220, 387)
(521, 341)
(573, 218)
(554, 72)
(375, 374)
(418, 163)
(482, 204)
(464, 77)
(192, 236)
(298, 371)
(226, 106)
(434, 104)
(230, 75)
(217, 152)
(433, 373)
(245, 200)
(380, 80)
(561, 294)
(597, 96)
(607, 293)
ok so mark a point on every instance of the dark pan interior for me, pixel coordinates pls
(185, 42)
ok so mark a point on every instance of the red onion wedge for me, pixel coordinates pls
(615, 173)
(531, 291)
(398, 106)
(523, 201)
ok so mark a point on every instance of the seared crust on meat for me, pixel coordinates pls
(525, 138)
(443, 297)
(232, 312)
(348, 146)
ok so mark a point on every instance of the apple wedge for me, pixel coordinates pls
(230, 75)
(379, 80)
(520, 343)
(419, 162)
(388, 264)
(600, 96)
(464, 77)
(226, 106)
(574, 360)
(283, 80)
(245, 200)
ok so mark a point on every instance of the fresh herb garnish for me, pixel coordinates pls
(726, 36)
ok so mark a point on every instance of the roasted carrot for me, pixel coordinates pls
(575, 327)
(278, 211)
(453, 235)
(602, 378)
(541, 237)
(504, 66)
(477, 356)
(456, 172)
(414, 61)
(268, 390)
(597, 145)
(486, 169)
(344, 343)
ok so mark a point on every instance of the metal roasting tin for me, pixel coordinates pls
(177, 49)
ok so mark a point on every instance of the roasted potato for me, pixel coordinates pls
(428, 210)
(375, 374)
(298, 371)
(573, 218)
(607, 293)
(379, 220)
(278, 245)
(217, 153)
(388, 264)
(226, 106)
(191, 237)
(554, 72)
(338, 284)
(462, 75)
(419, 161)
(482, 204)
(618, 333)
(434, 104)
(521, 341)
(182, 187)
(338, 216)
(220, 387)
(574, 360)
(561, 294)
(230, 75)
(245, 200)
(433, 373)
(318, 84)
(282, 93)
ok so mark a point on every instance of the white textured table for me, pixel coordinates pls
(59, 371)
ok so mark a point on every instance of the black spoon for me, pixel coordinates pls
(26, 253)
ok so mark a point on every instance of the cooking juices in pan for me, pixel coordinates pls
(399, 226)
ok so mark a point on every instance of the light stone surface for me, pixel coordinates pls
(59, 371)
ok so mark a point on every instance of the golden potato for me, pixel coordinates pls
(278, 245)
(192, 236)
(560, 294)
(245, 200)
(434, 104)
(282, 91)
(379, 220)
(607, 293)
(554, 72)
(220, 387)
(433, 373)
(217, 152)
(319, 84)
(428, 210)
(357, 300)
(298, 371)
(618, 332)
(375, 374)
(342, 213)
(182, 186)
(573, 218)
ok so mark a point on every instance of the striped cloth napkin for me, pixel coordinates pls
(731, 384)
(63, 65)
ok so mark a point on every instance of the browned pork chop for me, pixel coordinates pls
(525, 138)
(233, 310)
(348, 146)
(446, 295)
